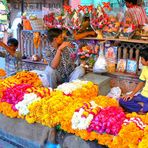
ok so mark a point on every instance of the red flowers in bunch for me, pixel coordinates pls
(68, 9)
(49, 19)
(109, 120)
(15, 94)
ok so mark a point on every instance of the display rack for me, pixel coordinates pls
(126, 48)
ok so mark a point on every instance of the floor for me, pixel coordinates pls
(4, 143)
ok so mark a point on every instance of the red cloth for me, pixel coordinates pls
(137, 14)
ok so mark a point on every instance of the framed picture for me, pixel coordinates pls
(121, 65)
(111, 54)
(131, 66)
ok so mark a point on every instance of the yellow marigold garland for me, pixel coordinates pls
(88, 91)
(105, 101)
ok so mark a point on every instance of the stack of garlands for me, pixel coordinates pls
(109, 120)
(79, 89)
(6, 83)
(47, 110)
(26, 77)
(11, 96)
(33, 94)
(105, 101)
(83, 116)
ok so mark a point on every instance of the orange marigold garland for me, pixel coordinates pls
(6, 109)
(27, 77)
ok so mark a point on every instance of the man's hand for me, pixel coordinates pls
(63, 45)
(128, 97)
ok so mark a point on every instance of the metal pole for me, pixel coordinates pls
(22, 6)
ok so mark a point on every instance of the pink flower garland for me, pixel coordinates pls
(15, 94)
(109, 120)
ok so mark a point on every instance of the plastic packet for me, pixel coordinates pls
(114, 93)
(100, 65)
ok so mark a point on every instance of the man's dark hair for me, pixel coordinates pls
(53, 33)
(86, 18)
(144, 53)
(134, 2)
(12, 41)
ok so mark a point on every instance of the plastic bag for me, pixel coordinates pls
(115, 93)
(100, 65)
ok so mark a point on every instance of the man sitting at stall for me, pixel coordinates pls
(61, 67)
(138, 103)
(136, 13)
(12, 57)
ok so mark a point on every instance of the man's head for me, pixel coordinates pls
(12, 43)
(144, 56)
(55, 35)
(130, 3)
(85, 21)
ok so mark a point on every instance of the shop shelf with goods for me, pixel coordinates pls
(127, 49)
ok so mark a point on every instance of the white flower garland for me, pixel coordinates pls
(80, 120)
(68, 88)
(22, 106)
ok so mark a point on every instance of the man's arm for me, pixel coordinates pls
(56, 60)
(83, 35)
(7, 48)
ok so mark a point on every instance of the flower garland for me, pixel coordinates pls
(83, 116)
(68, 88)
(144, 142)
(40, 91)
(105, 101)
(26, 77)
(6, 109)
(47, 110)
(15, 94)
(129, 135)
(137, 121)
(22, 106)
(109, 120)
(87, 92)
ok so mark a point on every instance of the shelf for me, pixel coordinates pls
(33, 62)
(121, 40)
(122, 75)
(116, 74)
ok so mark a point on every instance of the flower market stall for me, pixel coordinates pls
(122, 44)
(76, 114)
(74, 107)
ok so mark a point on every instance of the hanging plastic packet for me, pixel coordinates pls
(100, 65)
